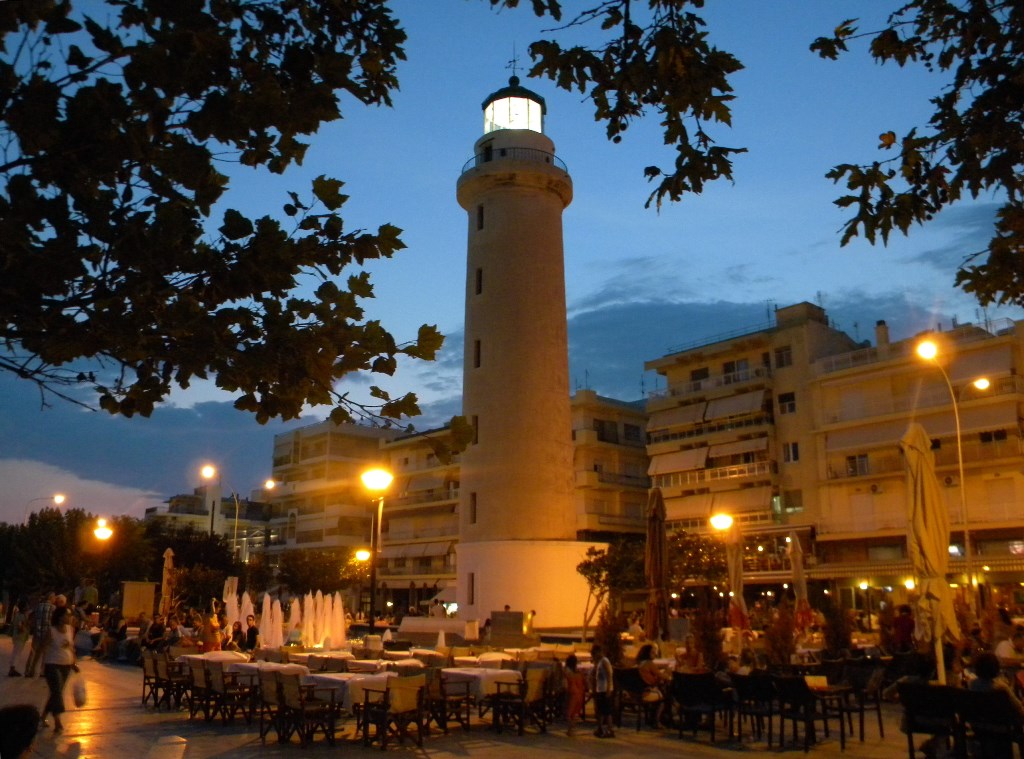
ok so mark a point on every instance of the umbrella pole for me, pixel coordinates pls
(940, 661)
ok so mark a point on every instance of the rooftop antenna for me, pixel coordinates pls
(643, 388)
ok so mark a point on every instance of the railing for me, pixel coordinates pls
(709, 383)
(987, 513)
(515, 154)
(720, 338)
(696, 476)
(865, 356)
(428, 496)
(945, 459)
(424, 532)
(629, 480)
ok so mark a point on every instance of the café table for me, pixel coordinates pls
(225, 656)
(310, 657)
(349, 684)
(366, 665)
(483, 680)
(395, 655)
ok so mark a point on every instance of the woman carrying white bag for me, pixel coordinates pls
(58, 663)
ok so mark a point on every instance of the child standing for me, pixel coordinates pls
(601, 687)
(576, 689)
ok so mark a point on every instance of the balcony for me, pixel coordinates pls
(709, 428)
(422, 498)
(946, 462)
(717, 474)
(757, 375)
(591, 478)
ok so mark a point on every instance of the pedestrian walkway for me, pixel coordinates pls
(115, 725)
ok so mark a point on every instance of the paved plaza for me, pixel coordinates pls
(113, 724)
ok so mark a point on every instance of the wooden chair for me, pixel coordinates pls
(701, 698)
(394, 710)
(448, 700)
(271, 707)
(865, 682)
(305, 712)
(231, 694)
(173, 683)
(930, 710)
(991, 723)
(801, 705)
(150, 689)
(522, 703)
(630, 696)
(202, 697)
(756, 700)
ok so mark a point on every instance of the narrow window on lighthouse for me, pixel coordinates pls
(476, 354)
(479, 217)
(479, 281)
(476, 429)
(472, 508)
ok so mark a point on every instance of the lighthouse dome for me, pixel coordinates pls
(514, 107)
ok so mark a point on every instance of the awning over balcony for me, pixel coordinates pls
(742, 501)
(691, 413)
(738, 446)
(735, 405)
(414, 550)
(689, 507)
(425, 482)
(678, 461)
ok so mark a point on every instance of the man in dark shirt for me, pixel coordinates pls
(252, 634)
(40, 631)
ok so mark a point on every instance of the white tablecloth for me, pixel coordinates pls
(255, 667)
(224, 656)
(366, 665)
(395, 655)
(304, 658)
(349, 684)
(484, 680)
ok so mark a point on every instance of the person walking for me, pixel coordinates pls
(20, 631)
(58, 663)
(576, 690)
(40, 621)
(601, 686)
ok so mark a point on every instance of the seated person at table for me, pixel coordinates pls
(989, 677)
(1011, 650)
(295, 636)
(154, 633)
(252, 634)
(236, 640)
(653, 678)
(175, 634)
(114, 631)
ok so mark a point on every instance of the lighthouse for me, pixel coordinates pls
(517, 524)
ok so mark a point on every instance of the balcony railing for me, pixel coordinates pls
(980, 513)
(430, 496)
(514, 154)
(697, 476)
(945, 459)
(694, 387)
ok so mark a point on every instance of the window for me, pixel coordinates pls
(476, 354)
(696, 375)
(476, 429)
(787, 403)
(992, 436)
(479, 217)
(783, 356)
(607, 431)
(790, 452)
(857, 466)
(472, 508)
(471, 587)
(632, 433)
(736, 371)
(479, 281)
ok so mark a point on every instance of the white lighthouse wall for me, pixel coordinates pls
(527, 575)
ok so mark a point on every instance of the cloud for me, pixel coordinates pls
(29, 486)
(965, 230)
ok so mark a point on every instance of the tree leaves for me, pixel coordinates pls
(112, 278)
(973, 142)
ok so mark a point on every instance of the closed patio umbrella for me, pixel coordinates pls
(167, 583)
(656, 548)
(803, 618)
(928, 543)
(734, 562)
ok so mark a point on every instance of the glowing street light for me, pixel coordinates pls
(57, 499)
(929, 351)
(376, 481)
(102, 531)
(721, 522)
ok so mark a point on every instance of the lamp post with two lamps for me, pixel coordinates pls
(208, 472)
(929, 351)
(376, 481)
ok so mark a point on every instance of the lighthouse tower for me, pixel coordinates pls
(517, 524)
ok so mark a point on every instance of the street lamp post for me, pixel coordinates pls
(208, 472)
(376, 481)
(929, 351)
(56, 499)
